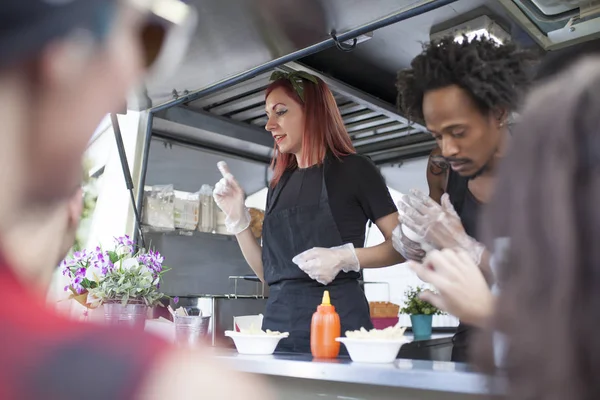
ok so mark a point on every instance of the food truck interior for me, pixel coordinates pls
(212, 109)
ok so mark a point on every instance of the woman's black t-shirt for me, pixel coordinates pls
(356, 189)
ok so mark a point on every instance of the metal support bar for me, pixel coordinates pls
(351, 108)
(372, 26)
(402, 157)
(388, 127)
(403, 153)
(372, 123)
(380, 137)
(127, 176)
(241, 103)
(390, 144)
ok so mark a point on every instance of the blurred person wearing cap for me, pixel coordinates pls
(52, 53)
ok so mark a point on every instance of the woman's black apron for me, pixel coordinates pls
(294, 296)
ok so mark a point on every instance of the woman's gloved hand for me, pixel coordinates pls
(439, 225)
(323, 265)
(230, 198)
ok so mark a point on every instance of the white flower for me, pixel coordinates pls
(123, 250)
(129, 263)
(94, 273)
(145, 270)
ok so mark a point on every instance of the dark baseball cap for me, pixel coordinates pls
(27, 26)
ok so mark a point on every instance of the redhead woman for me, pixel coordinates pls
(320, 198)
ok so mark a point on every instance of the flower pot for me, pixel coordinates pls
(421, 325)
(133, 314)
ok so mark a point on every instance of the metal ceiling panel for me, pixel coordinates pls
(556, 24)
(251, 85)
(351, 108)
(554, 7)
(238, 114)
(234, 37)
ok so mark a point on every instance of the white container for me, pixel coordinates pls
(247, 322)
(207, 222)
(187, 210)
(375, 351)
(415, 237)
(259, 345)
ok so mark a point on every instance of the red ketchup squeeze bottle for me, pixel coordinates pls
(324, 329)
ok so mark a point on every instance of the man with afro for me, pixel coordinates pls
(464, 92)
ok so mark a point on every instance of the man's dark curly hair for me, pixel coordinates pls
(494, 75)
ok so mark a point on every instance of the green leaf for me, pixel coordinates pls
(113, 256)
(413, 305)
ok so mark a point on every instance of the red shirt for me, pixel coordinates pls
(46, 356)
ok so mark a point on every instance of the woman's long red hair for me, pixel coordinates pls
(324, 128)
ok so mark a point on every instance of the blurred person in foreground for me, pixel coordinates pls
(52, 53)
(547, 204)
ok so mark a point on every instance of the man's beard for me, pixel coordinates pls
(480, 171)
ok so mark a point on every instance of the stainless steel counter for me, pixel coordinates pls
(415, 379)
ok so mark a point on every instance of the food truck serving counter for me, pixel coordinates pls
(300, 377)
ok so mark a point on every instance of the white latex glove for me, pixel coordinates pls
(439, 225)
(230, 198)
(462, 288)
(409, 249)
(323, 265)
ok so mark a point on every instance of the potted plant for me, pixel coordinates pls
(421, 312)
(124, 280)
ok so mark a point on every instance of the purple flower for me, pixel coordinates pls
(125, 245)
(66, 270)
(175, 299)
(76, 284)
(153, 260)
(101, 262)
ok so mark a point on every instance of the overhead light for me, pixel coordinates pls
(482, 26)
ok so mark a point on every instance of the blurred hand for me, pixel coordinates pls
(462, 288)
(323, 265)
(230, 198)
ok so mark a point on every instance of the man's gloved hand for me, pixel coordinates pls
(323, 265)
(230, 198)
(409, 249)
(439, 225)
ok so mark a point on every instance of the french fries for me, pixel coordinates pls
(389, 333)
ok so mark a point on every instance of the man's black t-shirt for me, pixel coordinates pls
(356, 189)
